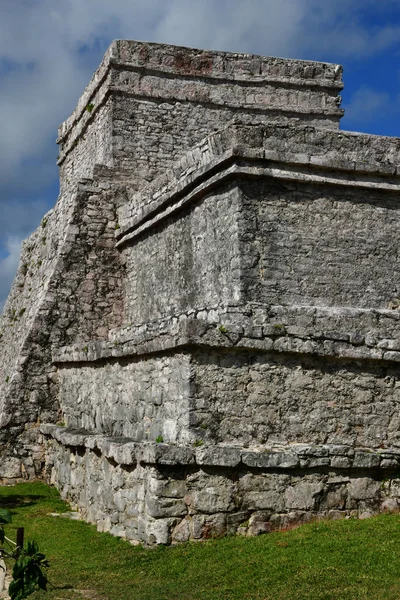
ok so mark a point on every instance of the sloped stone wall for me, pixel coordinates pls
(68, 287)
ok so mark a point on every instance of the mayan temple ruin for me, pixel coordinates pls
(203, 335)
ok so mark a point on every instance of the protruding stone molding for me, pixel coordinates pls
(169, 205)
(254, 151)
(224, 65)
(270, 329)
(191, 67)
(127, 451)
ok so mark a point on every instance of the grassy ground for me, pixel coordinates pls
(346, 560)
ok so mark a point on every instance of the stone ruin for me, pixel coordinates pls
(203, 335)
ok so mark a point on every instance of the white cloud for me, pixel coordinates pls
(8, 266)
(44, 39)
(367, 103)
(53, 48)
(260, 27)
(348, 28)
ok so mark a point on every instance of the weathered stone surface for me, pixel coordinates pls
(303, 495)
(218, 455)
(182, 532)
(270, 459)
(10, 468)
(165, 455)
(363, 488)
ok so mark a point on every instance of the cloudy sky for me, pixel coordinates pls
(49, 49)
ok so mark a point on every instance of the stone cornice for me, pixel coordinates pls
(338, 158)
(368, 335)
(183, 62)
(126, 451)
(151, 65)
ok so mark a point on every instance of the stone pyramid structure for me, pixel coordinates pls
(203, 335)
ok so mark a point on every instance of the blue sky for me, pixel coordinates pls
(49, 50)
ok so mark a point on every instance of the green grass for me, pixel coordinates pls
(346, 560)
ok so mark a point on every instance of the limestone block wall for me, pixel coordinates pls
(88, 290)
(264, 244)
(257, 398)
(240, 217)
(189, 260)
(228, 238)
(323, 246)
(91, 147)
(275, 376)
(143, 398)
(151, 134)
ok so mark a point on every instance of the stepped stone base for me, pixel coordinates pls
(160, 493)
